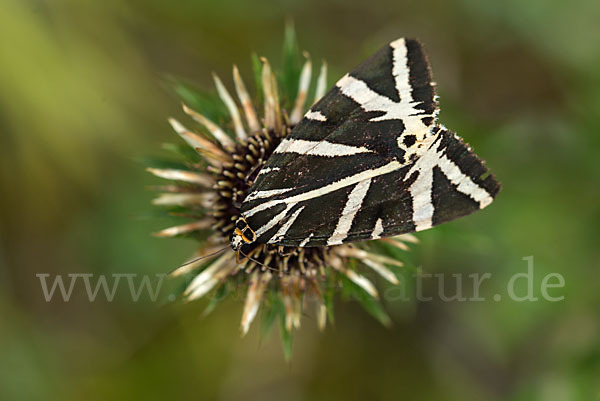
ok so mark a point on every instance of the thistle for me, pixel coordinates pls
(211, 185)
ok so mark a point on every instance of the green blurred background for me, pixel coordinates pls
(83, 95)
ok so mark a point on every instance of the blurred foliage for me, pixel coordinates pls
(84, 95)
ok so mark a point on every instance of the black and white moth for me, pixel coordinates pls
(367, 161)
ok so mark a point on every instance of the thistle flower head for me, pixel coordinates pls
(210, 191)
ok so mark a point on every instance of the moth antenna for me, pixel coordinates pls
(199, 258)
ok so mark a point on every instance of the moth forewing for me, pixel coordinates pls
(368, 161)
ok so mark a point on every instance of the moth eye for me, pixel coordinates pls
(248, 233)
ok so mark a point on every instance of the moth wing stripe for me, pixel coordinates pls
(369, 100)
(401, 71)
(378, 230)
(285, 227)
(344, 182)
(353, 204)
(358, 91)
(266, 194)
(420, 191)
(273, 222)
(266, 170)
(315, 116)
(318, 148)
(463, 183)
(305, 240)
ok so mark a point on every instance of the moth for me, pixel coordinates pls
(368, 160)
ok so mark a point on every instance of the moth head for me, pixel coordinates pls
(242, 234)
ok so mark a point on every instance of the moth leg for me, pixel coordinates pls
(257, 167)
(281, 251)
